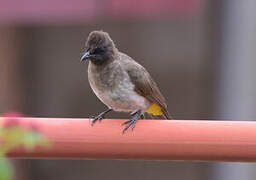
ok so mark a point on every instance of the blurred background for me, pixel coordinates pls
(201, 52)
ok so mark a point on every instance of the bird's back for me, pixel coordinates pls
(145, 86)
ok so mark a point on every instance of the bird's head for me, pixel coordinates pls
(99, 48)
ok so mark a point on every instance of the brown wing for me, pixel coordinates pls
(146, 86)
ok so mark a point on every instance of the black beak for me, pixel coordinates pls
(85, 56)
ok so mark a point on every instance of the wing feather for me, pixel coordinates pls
(144, 84)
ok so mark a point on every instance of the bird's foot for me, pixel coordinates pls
(100, 116)
(132, 121)
(97, 118)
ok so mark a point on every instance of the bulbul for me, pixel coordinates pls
(120, 82)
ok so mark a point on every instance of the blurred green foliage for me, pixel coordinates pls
(6, 170)
(13, 134)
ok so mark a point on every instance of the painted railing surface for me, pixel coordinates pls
(150, 140)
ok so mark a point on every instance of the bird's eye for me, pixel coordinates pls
(98, 51)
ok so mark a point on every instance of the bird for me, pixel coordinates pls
(120, 82)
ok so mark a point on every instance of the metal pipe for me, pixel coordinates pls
(150, 140)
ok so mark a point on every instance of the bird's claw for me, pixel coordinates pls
(97, 118)
(129, 123)
(132, 121)
(100, 116)
(126, 122)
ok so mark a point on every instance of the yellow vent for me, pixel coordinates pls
(155, 110)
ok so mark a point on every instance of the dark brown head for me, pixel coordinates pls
(99, 48)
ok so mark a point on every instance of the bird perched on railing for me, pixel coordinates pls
(120, 82)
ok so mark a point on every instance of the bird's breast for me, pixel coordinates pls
(115, 89)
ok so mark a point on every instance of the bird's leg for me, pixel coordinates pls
(132, 121)
(100, 116)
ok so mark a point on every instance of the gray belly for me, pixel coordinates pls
(122, 97)
(112, 85)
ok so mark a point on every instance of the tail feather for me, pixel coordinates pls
(166, 114)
